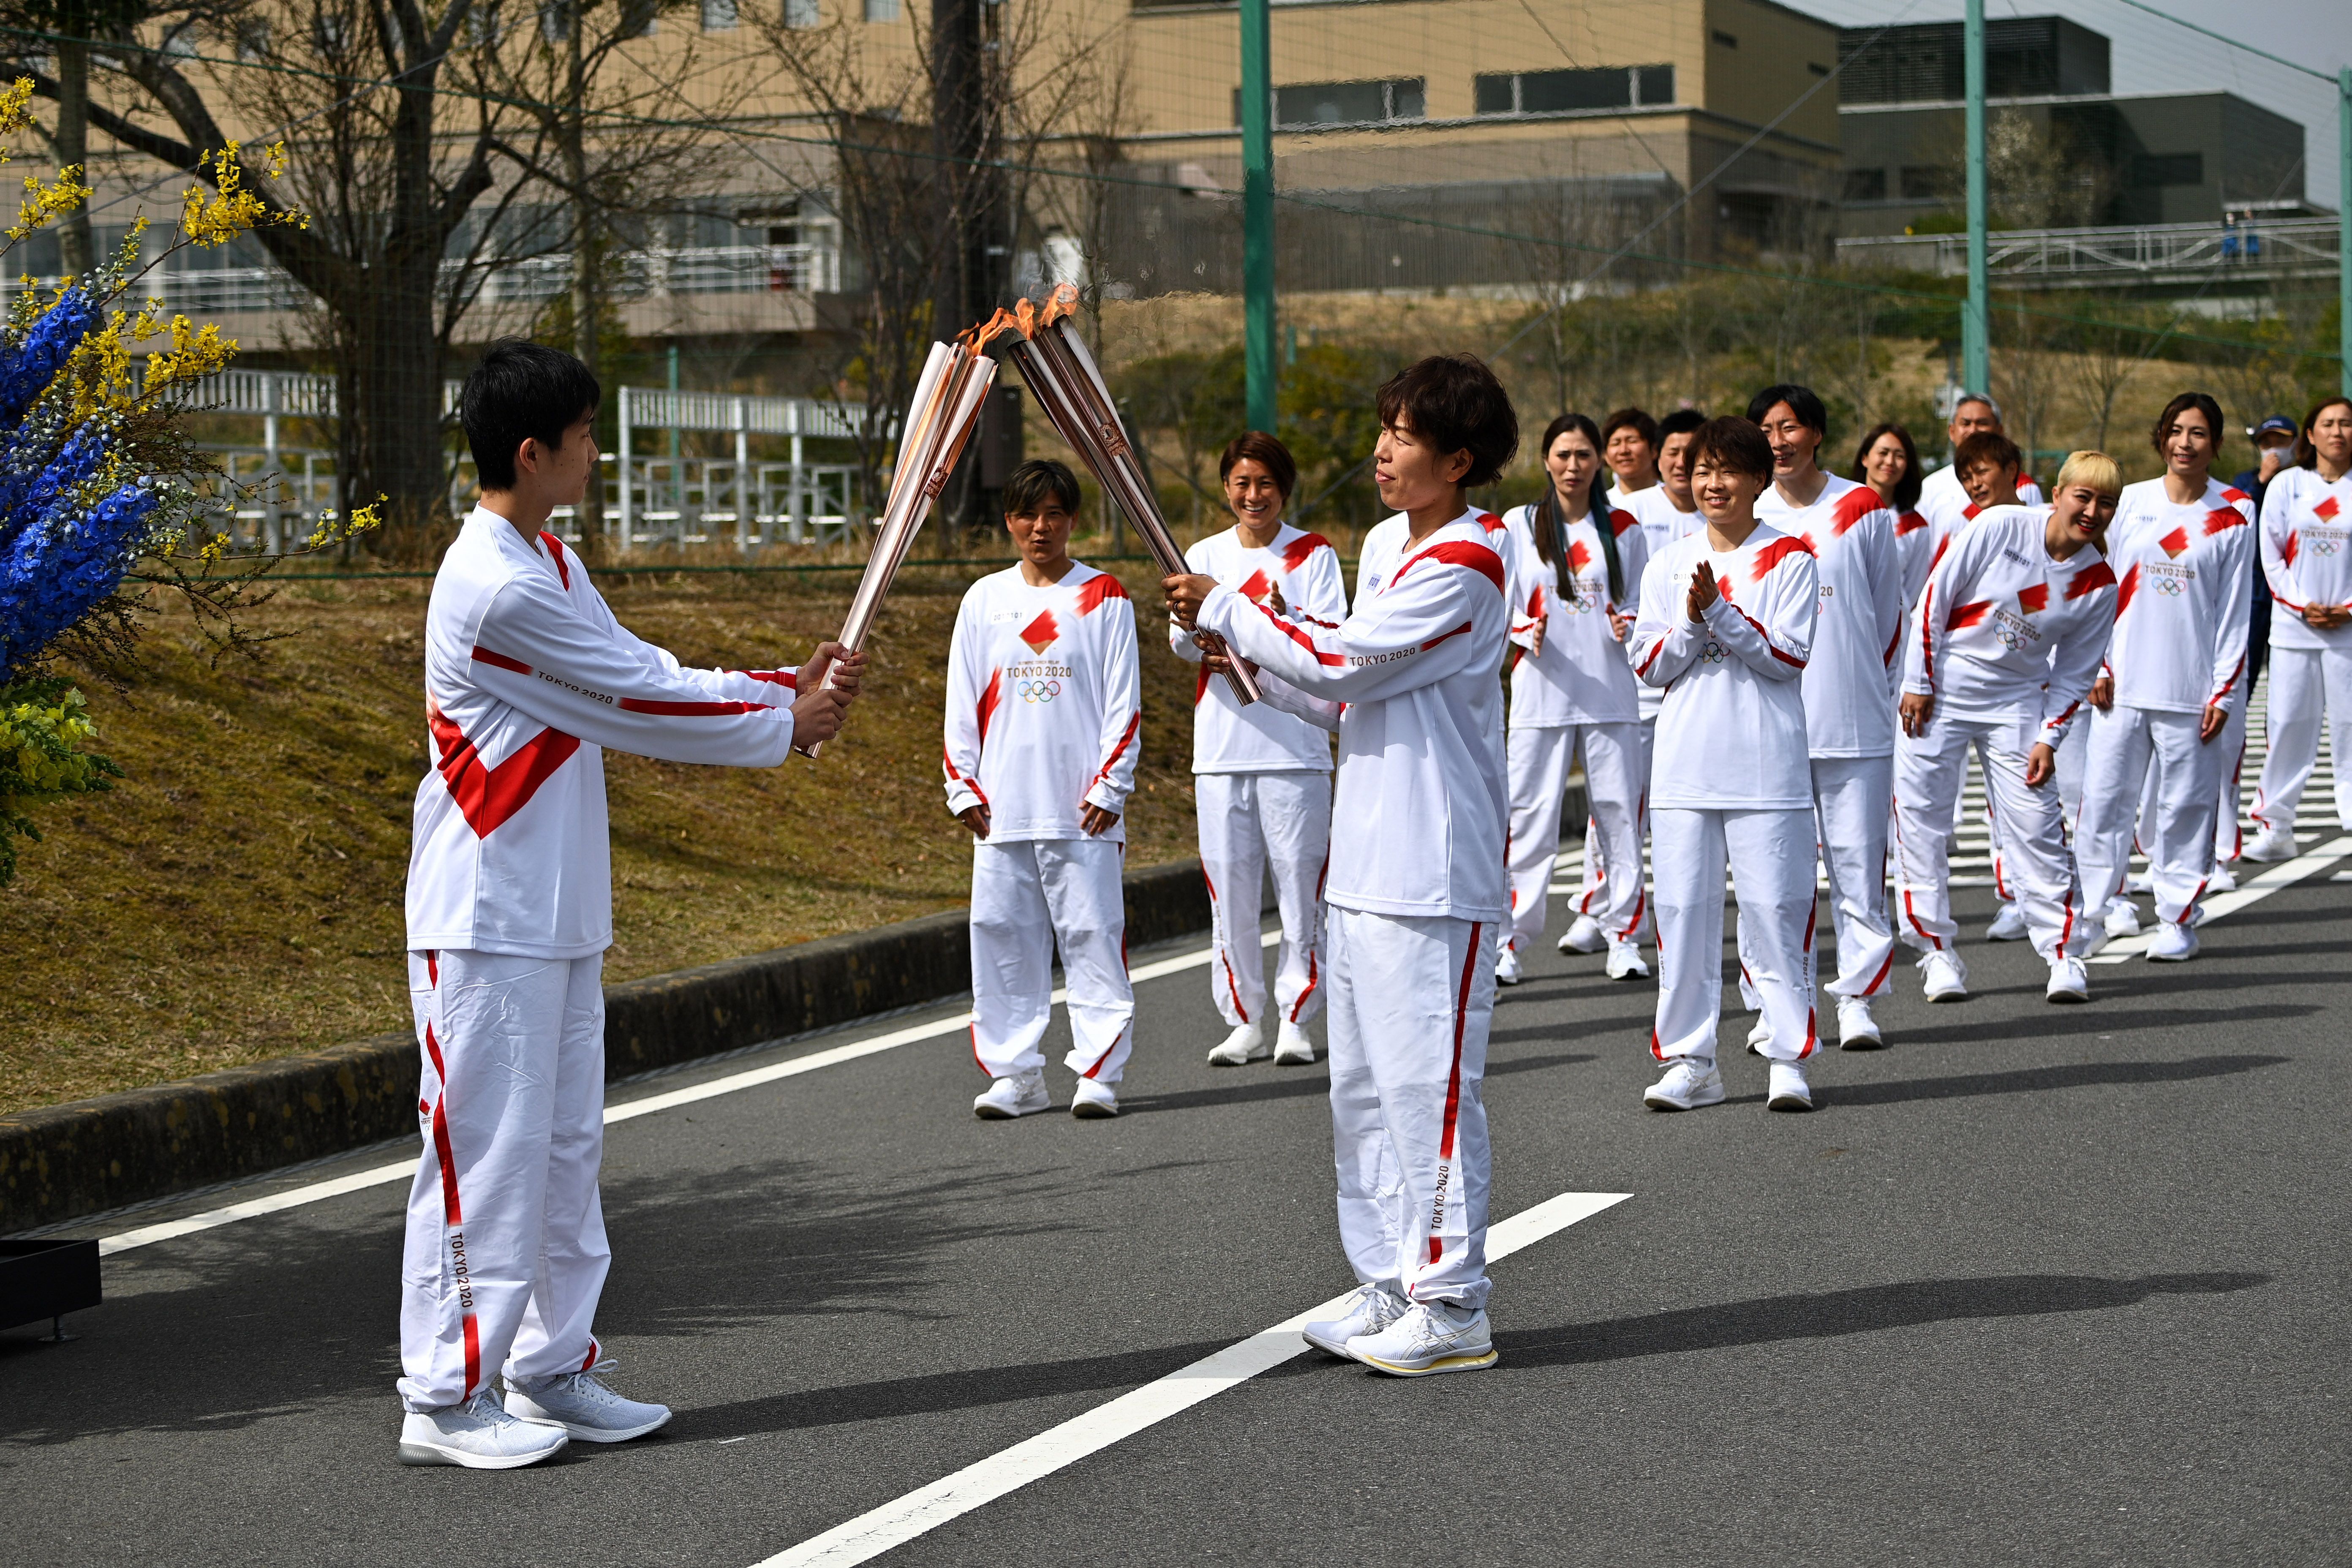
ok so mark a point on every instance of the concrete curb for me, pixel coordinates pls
(61, 1160)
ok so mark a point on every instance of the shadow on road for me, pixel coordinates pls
(1868, 1308)
(1293, 1084)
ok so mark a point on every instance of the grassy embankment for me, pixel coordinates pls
(238, 896)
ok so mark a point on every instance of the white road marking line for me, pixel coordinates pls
(927, 1508)
(357, 1181)
(2254, 892)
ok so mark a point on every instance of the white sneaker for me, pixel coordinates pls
(479, 1435)
(2222, 880)
(1857, 1030)
(1758, 1035)
(2122, 919)
(1507, 967)
(2271, 844)
(1369, 1310)
(1584, 935)
(1430, 1337)
(1625, 961)
(2174, 943)
(1790, 1089)
(1016, 1096)
(1246, 1044)
(1943, 976)
(2069, 982)
(1688, 1084)
(2007, 926)
(1094, 1100)
(2140, 882)
(1292, 1048)
(580, 1403)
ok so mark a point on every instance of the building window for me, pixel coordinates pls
(1729, 41)
(1865, 184)
(1930, 183)
(802, 14)
(718, 16)
(881, 10)
(1559, 92)
(1306, 104)
(2168, 169)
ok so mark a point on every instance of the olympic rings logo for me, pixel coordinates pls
(1038, 691)
(2171, 587)
(2009, 637)
(1711, 653)
(2320, 546)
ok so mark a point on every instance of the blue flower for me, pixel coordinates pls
(61, 566)
(27, 368)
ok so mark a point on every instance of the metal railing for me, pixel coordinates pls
(2257, 250)
(642, 273)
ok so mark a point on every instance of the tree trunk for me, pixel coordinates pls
(586, 300)
(77, 252)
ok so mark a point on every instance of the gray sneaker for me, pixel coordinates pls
(478, 1434)
(582, 1406)
(1368, 1311)
(1432, 1337)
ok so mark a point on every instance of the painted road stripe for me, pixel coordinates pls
(895, 1523)
(2252, 892)
(318, 1191)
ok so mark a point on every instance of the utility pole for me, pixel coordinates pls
(1976, 323)
(2343, 228)
(974, 271)
(1258, 209)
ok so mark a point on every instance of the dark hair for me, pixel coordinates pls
(2203, 403)
(1454, 403)
(1988, 446)
(1638, 420)
(521, 392)
(2306, 451)
(1682, 421)
(1802, 400)
(1038, 481)
(1735, 443)
(1906, 489)
(1551, 530)
(1260, 448)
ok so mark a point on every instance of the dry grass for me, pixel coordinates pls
(239, 896)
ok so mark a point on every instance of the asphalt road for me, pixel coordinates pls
(2035, 1284)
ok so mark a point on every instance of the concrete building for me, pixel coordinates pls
(2066, 151)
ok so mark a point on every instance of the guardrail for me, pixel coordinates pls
(2256, 251)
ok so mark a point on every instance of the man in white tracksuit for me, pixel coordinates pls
(1726, 620)
(2182, 548)
(1261, 777)
(528, 677)
(1945, 505)
(1416, 890)
(2306, 554)
(2010, 628)
(1849, 712)
(1045, 709)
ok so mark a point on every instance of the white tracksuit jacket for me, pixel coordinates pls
(1260, 789)
(2007, 644)
(2183, 597)
(1416, 890)
(1043, 719)
(2307, 556)
(1943, 506)
(1578, 695)
(1730, 782)
(510, 908)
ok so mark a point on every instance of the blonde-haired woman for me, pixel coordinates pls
(2010, 628)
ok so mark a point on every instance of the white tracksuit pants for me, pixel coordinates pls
(1852, 800)
(2229, 799)
(2040, 869)
(1589, 899)
(2126, 744)
(505, 1254)
(2309, 687)
(1250, 821)
(1411, 999)
(1029, 897)
(1770, 856)
(1539, 760)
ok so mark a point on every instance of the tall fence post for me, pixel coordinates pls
(744, 486)
(1258, 209)
(1976, 323)
(628, 477)
(2344, 229)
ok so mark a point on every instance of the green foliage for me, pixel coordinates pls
(43, 723)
